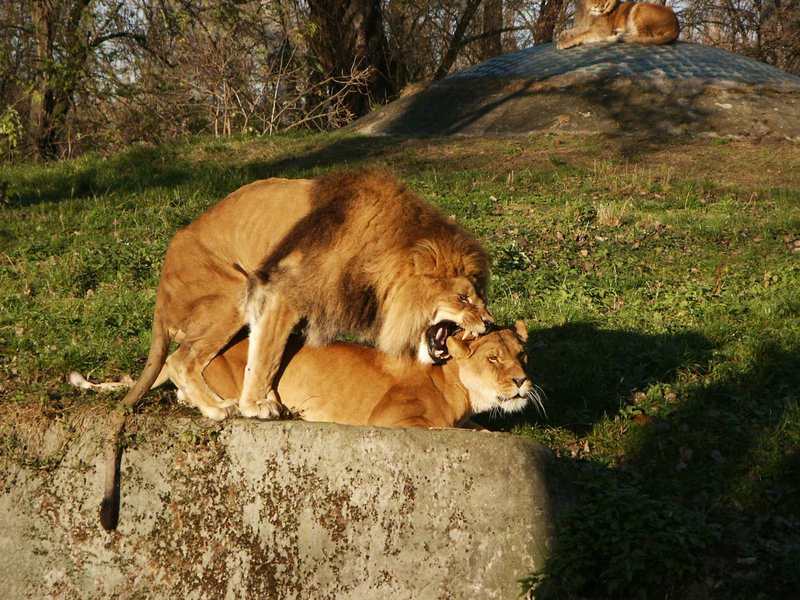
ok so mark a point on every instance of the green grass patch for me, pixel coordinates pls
(660, 287)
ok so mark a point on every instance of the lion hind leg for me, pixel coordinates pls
(271, 320)
(125, 383)
(649, 39)
(214, 325)
(186, 374)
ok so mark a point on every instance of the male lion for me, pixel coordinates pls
(350, 252)
(613, 21)
(358, 385)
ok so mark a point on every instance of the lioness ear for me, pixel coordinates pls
(457, 348)
(522, 330)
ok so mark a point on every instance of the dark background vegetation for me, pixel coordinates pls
(100, 74)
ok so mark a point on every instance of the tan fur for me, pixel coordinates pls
(613, 21)
(359, 385)
(351, 252)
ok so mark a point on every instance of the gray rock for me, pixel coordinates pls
(646, 91)
(271, 510)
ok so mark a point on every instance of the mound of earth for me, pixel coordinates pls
(677, 89)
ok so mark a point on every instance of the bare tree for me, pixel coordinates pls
(768, 30)
(66, 33)
(457, 41)
(346, 35)
(549, 13)
(77, 74)
(492, 43)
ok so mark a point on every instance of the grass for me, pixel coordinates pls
(660, 283)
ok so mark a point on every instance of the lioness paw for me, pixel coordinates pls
(213, 412)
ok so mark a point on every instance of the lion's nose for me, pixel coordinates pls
(487, 323)
(519, 380)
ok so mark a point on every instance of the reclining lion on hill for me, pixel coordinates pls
(615, 21)
(352, 252)
(359, 385)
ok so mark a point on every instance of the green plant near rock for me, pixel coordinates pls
(10, 133)
(620, 542)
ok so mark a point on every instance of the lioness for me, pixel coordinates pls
(350, 252)
(359, 385)
(613, 21)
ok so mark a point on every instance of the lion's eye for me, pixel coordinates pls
(463, 298)
(493, 359)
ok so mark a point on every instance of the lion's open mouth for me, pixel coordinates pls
(437, 335)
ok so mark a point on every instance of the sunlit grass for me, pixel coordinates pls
(661, 291)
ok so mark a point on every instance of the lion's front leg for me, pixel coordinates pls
(577, 37)
(271, 320)
(569, 38)
(609, 6)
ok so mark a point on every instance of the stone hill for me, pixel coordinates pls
(621, 88)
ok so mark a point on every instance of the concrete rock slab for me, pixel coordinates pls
(286, 510)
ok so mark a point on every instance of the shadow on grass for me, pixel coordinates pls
(588, 372)
(339, 153)
(131, 171)
(140, 168)
(705, 502)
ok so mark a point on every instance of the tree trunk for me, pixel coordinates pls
(348, 34)
(58, 74)
(492, 44)
(546, 22)
(457, 40)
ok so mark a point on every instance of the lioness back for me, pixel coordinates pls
(339, 382)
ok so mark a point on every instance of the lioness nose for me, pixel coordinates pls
(519, 380)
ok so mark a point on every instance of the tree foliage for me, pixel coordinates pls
(79, 74)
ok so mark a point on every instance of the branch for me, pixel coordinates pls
(475, 38)
(455, 42)
(101, 39)
(17, 27)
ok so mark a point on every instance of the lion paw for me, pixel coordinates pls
(564, 41)
(269, 408)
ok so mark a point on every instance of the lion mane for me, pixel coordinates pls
(372, 260)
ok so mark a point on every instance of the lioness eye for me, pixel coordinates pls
(463, 298)
(493, 359)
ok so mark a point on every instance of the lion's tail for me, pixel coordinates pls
(665, 36)
(159, 346)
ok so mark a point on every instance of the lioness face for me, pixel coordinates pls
(459, 307)
(492, 369)
(601, 7)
